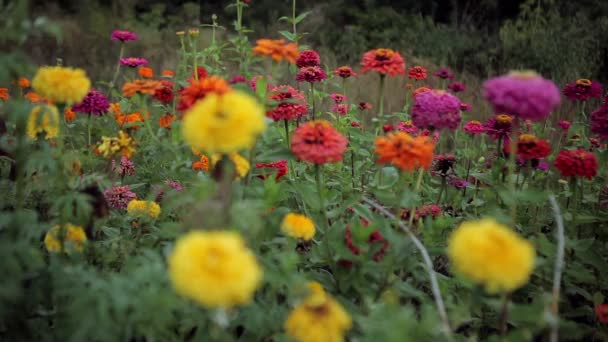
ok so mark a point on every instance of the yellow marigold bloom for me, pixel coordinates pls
(240, 163)
(491, 254)
(298, 226)
(122, 144)
(319, 318)
(214, 268)
(224, 124)
(43, 120)
(74, 238)
(61, 84)
(143, 209)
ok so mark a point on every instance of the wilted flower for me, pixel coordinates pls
(443, 164)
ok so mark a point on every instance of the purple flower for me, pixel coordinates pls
(133, 62)
(338, 98)
(457, 87)
(436, 109)
(311, 74)
(444, 73)
(125, 168)
(499, 126)
(118, 197)
(459, 183)
(524, 95)
(123, 36)
(94, 103)
(542, 165)
(341, 108)
(599, 122)
(474, 127)
(308, 58)
(582, 90)
(175, 185)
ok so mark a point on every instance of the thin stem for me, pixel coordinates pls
(427, 262)
(323, 212)
(416, 189)
(194, 58)
(116, 72)
(287, 133)
(512, 164)
(381, 101)
(559, 266)
(293, 19)
(89, 129)
(312, 98)
(504, 314)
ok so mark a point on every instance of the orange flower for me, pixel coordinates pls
(166, 120)
(384, 61)
(202, 164)
(115, 108)
(4, 94)
(318, 142)
(35, 98)
(277, 49)
(140, 86)
(168, 73)
(198, 89)
(404, 151)
(128, 118)
(420, 90)
(23, 83)
(69, 114)
(146, 72)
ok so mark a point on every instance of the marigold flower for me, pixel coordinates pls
(168, 73)
(61, 84)
(491, 254)
(384, 61)
(280, 166)
(119, 197)
(417, 73)
(240, 163)
(224, 124)
(474, 127)
(291, 103)
(129, 118)
(345, 72)
(145, 72)
(69, 114)
(318, 318)
(523, 94)
(583, 90)
(198, 90)
(122, 144)
(43, 120)
(436, 109)
(143, 209)
(308, 58)
(576, 163)
(95, 103)
(599, 122)
(123, 36)
(457, 87)
(214, 268)
(73, 238)
(298, 226)
(133, 62)
(444, 73)
(276, 49)
(23, 82)
(140, 86)
(4, 95)
(311, 74)
(531, 147)
(318, 142)
(166, 120)
(404, 151)
(36, 99)
(202, 164)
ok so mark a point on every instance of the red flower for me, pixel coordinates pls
(311, 74)
(375, 237)
(582, 90)
(601, 311)
(417, 73)
(531, 147)
(308, 58)
(345, 72)
(280, 166)
(388, 128)
(355, 124)
(384, 61)
(201, 73)
(291, 106)
(576, 163)
(164, 94)
(318, 142)
(365, 105)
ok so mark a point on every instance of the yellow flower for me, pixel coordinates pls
(224, 124)
(61, 84)
(491, 254)
(298, 226)
(43, 119)
(214, 268)
(240, 163)
(319, 318)
(122, 144)
(74, 238)
(140, 208)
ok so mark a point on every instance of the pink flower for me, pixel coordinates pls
(308, 58)
(123, 36)
(125, 168)
(444, 73)
(311, 74)
(341, 108)
(338, 98)
(407, 127)
(133, 62)
(291, 103)
(436, 109)
(474, 127)
(118, 197)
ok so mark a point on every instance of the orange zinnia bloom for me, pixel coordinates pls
(4, 94)
(69, 114)
(166, 120)
(202, 164)
(146, 72)
(404, 151)
(23, 83)
(128, 118)
(384, 61)
(277, 49)
(35, 98)
(168, 73)
(140, 86)
(115, 108)
(198, 89)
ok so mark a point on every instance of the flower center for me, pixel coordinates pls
(527, 138)
(583, 82)
(524, 74)
(503, 118)
(384, 54)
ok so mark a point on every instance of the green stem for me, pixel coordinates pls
(512, 165)
(116, 72)
(323, 212)
(89, 129)
(312, 98)
(504, 314)
(287, 133)
(381, 101)
(293, 19)
(195, 57)
(416, 189)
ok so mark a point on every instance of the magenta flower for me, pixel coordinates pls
(308, 58)
(524, 95)
(133, 62)
(599, 122)
(123, 36)
(311, 74)
(582, 90)
(94, 103)
(457, 87)
(444, 73)
(338, 98)
(175, 185)
(436, 109)
(125, 168)
(238, 79)
(465, 107)
(564, 124)
(291, 103)
(499, 126)
(340, 108)
(118, 197)
(459, 183)
(474, 127)
(407, 127)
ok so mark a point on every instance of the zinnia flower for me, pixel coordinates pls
(420, 90)
(73, 237)
(214, 268)
(318, 318)
(133, 62)
(119, 197)
(364, 106)
(474, 127)
(340, 109)
(4, 95)
(404, 151)
(198, 90)
(291, 103)
(298, 226)
(576, 163)
(164, 93)
(123, 36)
(444, 73)
(523, 94)
(375, 237)
(491, 254)
(384, 61)
(531, 147)
(308, 58)
(583, 90)
(436, 109)
(43, 119)
(407, 127)
(338, 98)
(280, 167)
(564, 124)
(417, 73)
(129, 119)
(166, 120)
(276, 49)
(311, 74)
(431, 211)
(168, 73)
(95, 103)
(318, 142)
(499, 126)
(143, 209)
(61, 84)
(140, 86)
(457, 87)
(599, 122)
(23, 82)
(601, 311)
(125, 168)
(465, 107)
(224, 124)
(145, 72)
(345, 72)
(458, 183)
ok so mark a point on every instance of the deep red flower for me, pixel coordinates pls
(308, 58)
(457, 87)
(444, 73)
(384, 61)
(601, 311)
(388, 128)
(311, 74)
(280, 166)
(238, 79)
(201, 73)
(582, 90)
(599, 122)
(291, 103)
(364, 105)
(345, 72)
(375, 237)
(576, 163)
(318, 142)
(355, 124)
(427, 210)
(164, 94)
(531, 147)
